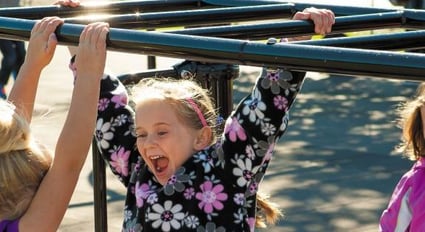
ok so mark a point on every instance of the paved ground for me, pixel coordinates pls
(333, 171)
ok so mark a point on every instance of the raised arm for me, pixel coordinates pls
(52, 198)
(41, 47)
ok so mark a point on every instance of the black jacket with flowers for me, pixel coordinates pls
(215, 190)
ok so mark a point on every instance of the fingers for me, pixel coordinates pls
(46, 26)
(301, 16)
(69, 3)
(95, 34)
(323, 19)
(102, 35)
(327, 19)
(91, 51)
(51, 43)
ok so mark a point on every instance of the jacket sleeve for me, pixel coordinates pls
(261, 118)
(115, 137)
(255, 126)
(398, 215)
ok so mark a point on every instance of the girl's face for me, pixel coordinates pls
(164, 142)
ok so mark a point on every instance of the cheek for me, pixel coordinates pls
(139, 145)
(180, 159)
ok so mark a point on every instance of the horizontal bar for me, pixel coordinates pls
(339, 10)
(119, 7)
(392, 41)
(191, 17)
(218, 50)
(131, 7)
(292, 28)
(414, 19)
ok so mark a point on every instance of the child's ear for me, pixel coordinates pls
(203, 139)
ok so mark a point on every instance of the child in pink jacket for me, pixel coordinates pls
(406, 209)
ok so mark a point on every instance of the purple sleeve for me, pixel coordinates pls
(9, 226)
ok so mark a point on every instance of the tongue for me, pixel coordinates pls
(161, 163)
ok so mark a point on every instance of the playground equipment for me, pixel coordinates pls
(214, 42)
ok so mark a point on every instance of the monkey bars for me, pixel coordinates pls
(223, 49)
(232, 51)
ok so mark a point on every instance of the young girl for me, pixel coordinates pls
(406, 209)
(180, 174)
(36, 187)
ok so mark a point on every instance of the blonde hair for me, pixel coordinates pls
(410, 121)
(176, 92)
(23, 163)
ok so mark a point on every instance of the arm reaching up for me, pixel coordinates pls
(74, 141)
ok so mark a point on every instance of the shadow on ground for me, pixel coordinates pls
(335, 168)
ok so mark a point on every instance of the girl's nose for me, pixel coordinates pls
(149, 141)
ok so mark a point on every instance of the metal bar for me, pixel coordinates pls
(99, 191)
(200, 17)
(339, 10)
(395, 19)
(130, 7)
(218, 50)
(393, 41)
(191, 17)
(411, 19)
(123, 7)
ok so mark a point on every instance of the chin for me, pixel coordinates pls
(162, 181)
(163, 178)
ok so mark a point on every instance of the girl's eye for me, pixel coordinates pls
(162, 133)
(140, 135)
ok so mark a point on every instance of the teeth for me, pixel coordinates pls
(155, 157)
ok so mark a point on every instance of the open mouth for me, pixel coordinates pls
(160, 163)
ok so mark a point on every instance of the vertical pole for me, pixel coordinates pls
(99, 190)
(218, 78)
(221, 86)
(151, 59)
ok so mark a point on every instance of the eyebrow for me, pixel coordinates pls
(156, 124)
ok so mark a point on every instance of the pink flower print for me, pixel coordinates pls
(189, 193)
(280, 102)
(234, 129)
(103, 103)
(211, 197)
(142, 192)
(269, 153)
(251, 223)
(119, 161)
(119, 100)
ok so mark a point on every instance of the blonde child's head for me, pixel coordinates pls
(411, 121)
(186, 97)
(174, 119)
(23, 163)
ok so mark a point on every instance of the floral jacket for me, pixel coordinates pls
(215, 190)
